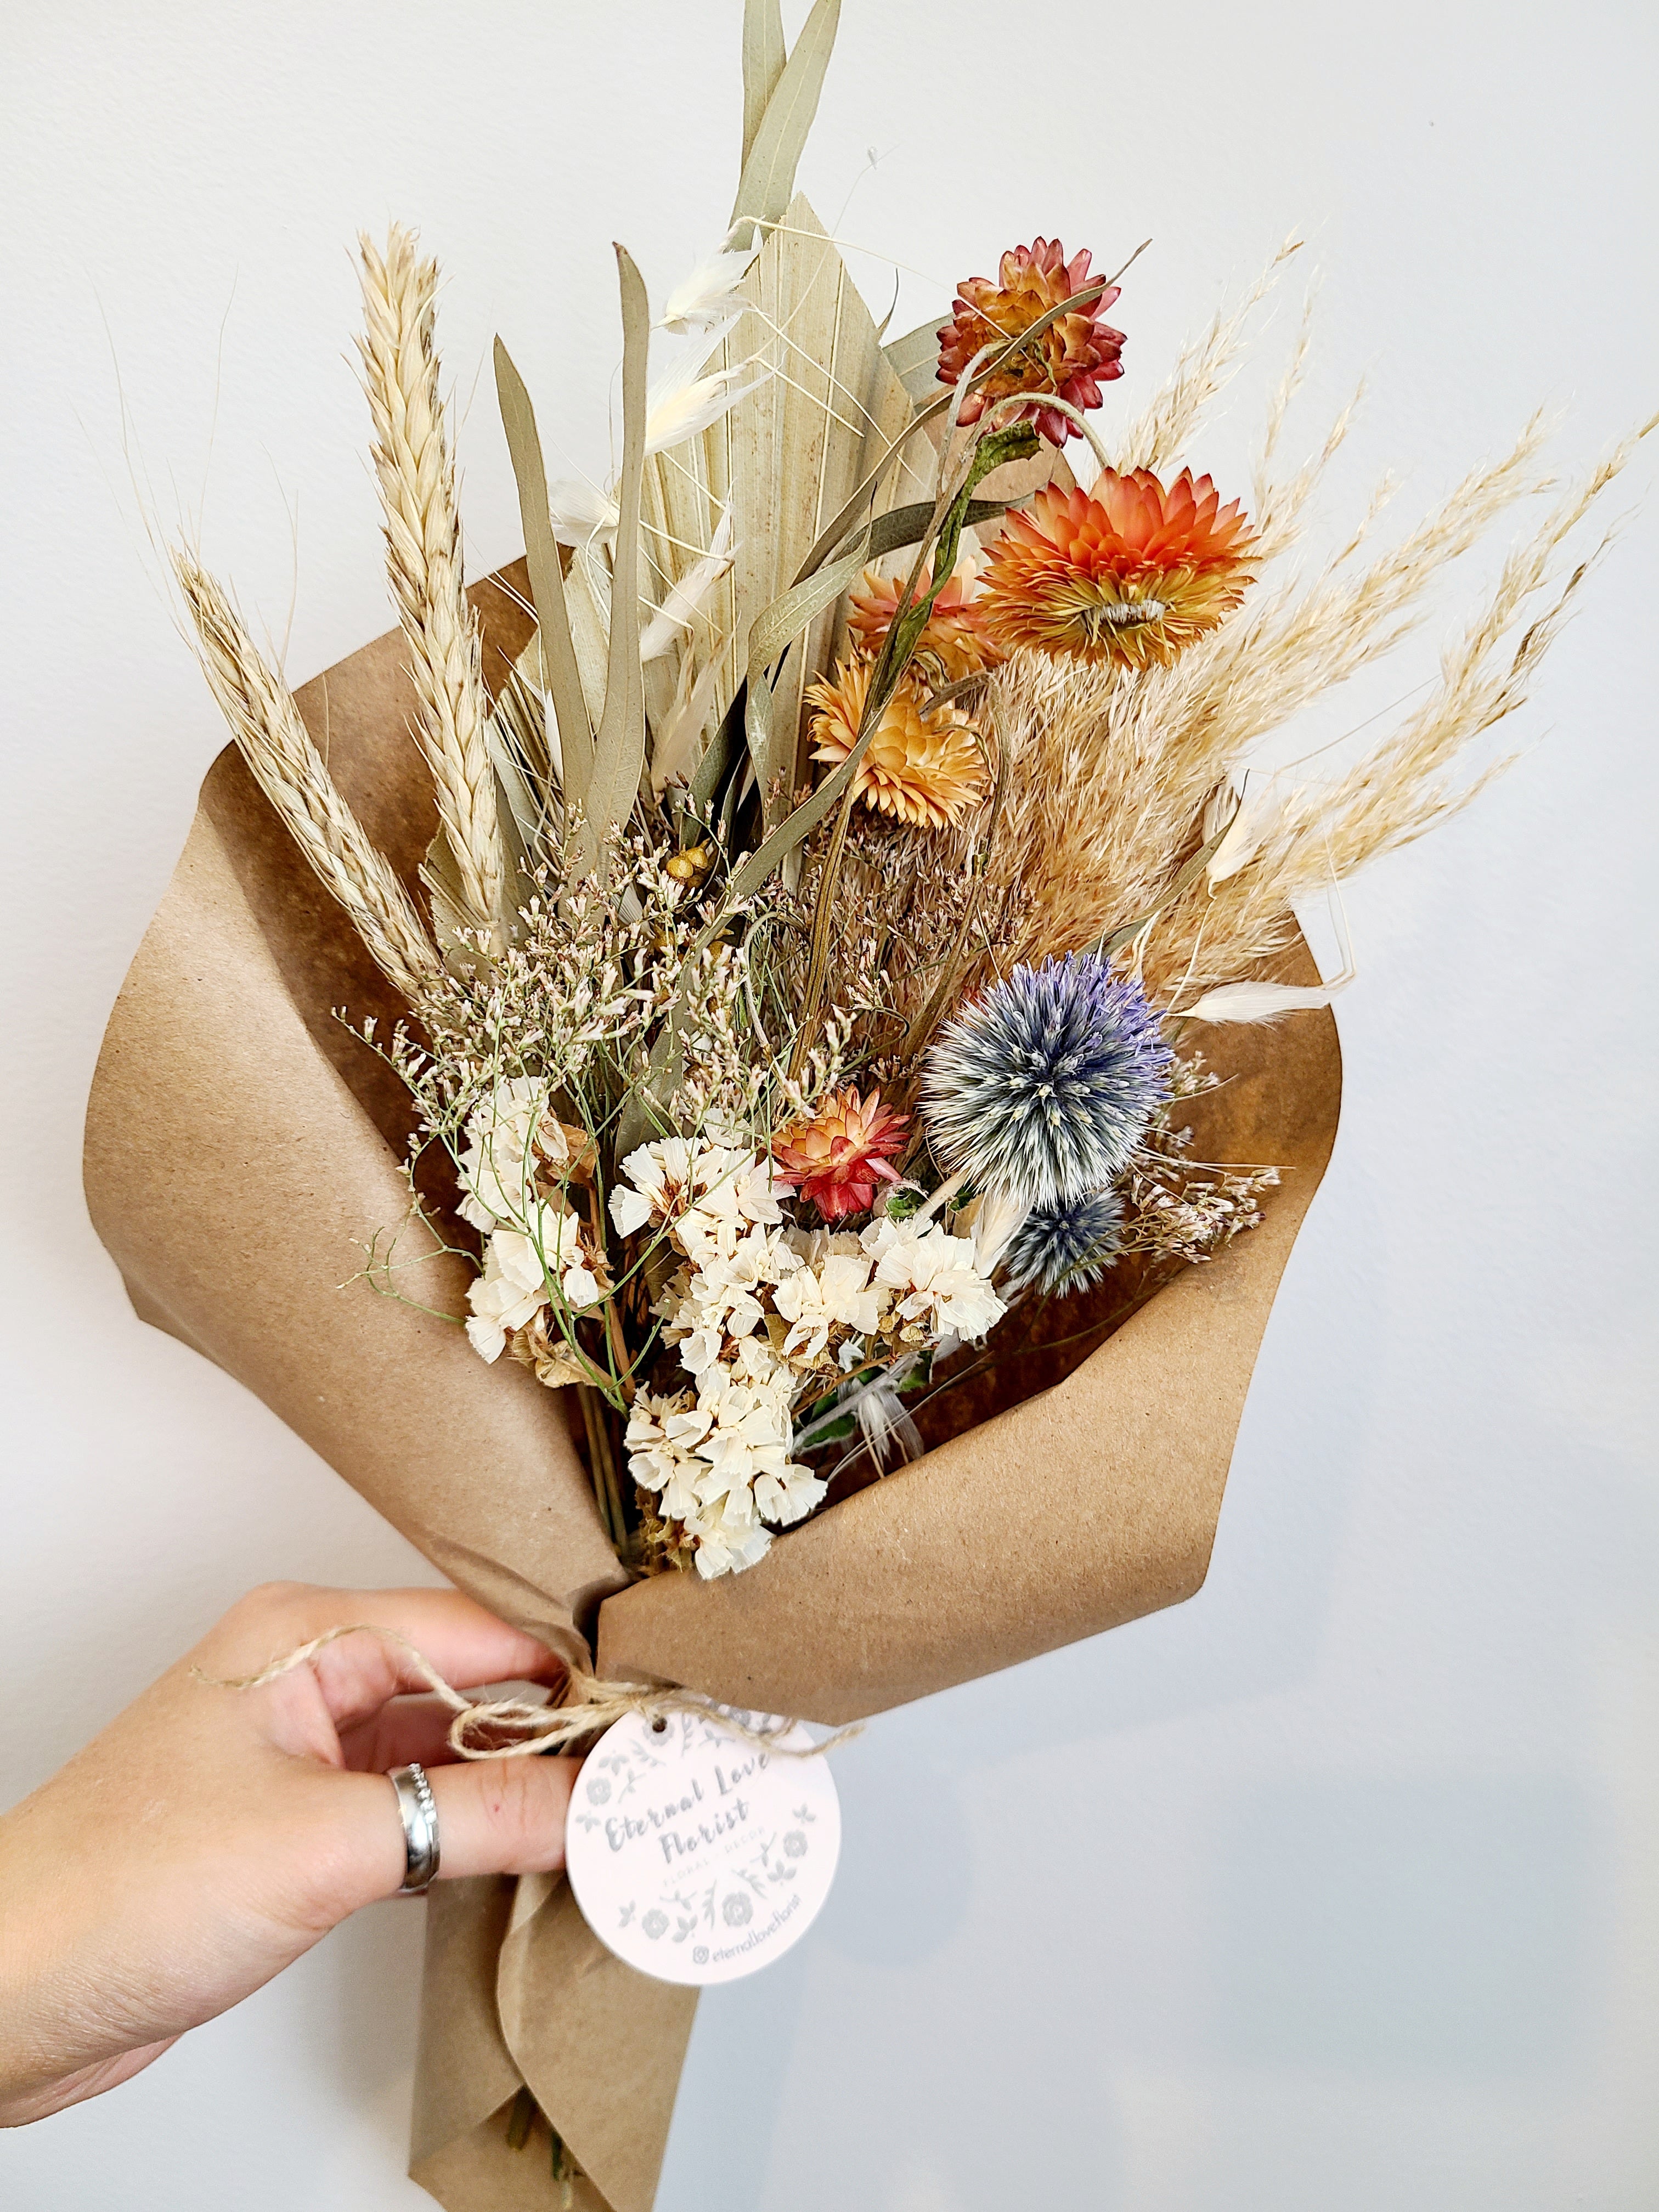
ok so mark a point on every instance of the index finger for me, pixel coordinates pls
(357, 1674)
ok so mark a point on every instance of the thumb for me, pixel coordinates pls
(503, 1816)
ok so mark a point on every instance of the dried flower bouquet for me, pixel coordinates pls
(820, 911)
(835, 968)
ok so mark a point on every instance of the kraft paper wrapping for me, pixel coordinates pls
(242, 1150)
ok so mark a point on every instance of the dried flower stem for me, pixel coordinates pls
(288, 767)
(417, 478)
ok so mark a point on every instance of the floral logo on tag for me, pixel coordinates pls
(698, 1855)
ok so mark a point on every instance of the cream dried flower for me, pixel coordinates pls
(937, 1276)
(507, 1133)
(836, 1294)
(707, 1192)
(719, 1461)
(520, 1268)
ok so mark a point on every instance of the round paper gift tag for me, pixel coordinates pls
(695, 1855)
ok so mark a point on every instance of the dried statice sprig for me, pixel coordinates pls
(288, 767)
(417, 478)
(1179, 1209)
(575, 999)
(599, 967)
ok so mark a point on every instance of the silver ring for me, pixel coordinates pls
(419, 1812)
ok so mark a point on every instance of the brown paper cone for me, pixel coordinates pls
(242, 1151)
(1108, 1484)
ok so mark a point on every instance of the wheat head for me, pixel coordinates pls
(288, 767)
(417, 478)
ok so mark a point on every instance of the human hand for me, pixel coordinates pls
(209, 1836)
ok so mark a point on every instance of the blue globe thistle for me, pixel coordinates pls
(1042, 1087)
(1059, 1248)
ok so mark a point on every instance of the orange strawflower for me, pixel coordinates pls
(1073, 357)
(837, 1158)
(1127, 572)
(923, 765)
(954, 643)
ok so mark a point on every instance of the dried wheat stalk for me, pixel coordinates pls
(417, 479)
(288, 768)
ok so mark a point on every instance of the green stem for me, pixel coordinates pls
(601, 1465)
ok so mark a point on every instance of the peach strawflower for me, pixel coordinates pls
(1073, 357)
(1128, 572)
(923, 765)
(953, 645)
(837, 1158)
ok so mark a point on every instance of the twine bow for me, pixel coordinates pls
(512, 1728)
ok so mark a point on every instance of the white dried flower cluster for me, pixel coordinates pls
(514, 1153)
(765, 1316)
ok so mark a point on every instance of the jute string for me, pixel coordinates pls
(511, 1727)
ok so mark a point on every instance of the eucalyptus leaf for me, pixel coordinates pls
(645, 1110)
(891, 533)
(722, 749)
(528, 818)
(767, 182)
(914, 359)
(763, 57)
(773, 751)
(446, 894)
(747, 880)
(619, 742)
(559, 671)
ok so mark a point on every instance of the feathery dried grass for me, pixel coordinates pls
(1202, 368)
(288, 767)
(417, 478)
(1403, 787)
(1117, 779)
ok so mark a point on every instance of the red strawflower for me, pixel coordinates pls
(837, 1157)
(1074, 356)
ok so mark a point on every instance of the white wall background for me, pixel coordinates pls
(1335, 1888)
